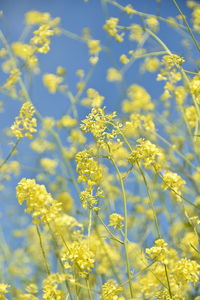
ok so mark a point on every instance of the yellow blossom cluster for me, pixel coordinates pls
(25, 123)
(50, 286)
(174, 182)
(195, 87)
(114, 75)
(110, 290)
(38, 201)
(25, 52)
(78, 256)
(3, 290)
(41, 40)
(52, 82)
(94, 99)
(139, 100)
(111, 28)
(49, 165)
(9, 85)
(110, 215)
(116, 220)
(146, 153)
(94, 46)
(97, 122)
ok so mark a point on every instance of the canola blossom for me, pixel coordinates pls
(99, 178)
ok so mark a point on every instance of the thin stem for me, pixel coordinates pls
(175, 150)
(125, 225)
(10, 154)
(108, 230)
(179, 195)
(43, 251)
(146, 184)
(187, 25)
(59, 259)
(88, 288)
(168, 283)
(89, 225)
(151, 200)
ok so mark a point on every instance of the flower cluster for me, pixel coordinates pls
(174, 182)
(38, 201)
(111, 28)
(139, 99)
(41, 38)
(195, 87)
(94, 99)
(159, 251)
(3, 290)
(97, 122)
(145, 152)
(26, 53)
(50, 286)
(25, 123)
(116, 221)
(52, 82)
(110, 290)
(79, 256)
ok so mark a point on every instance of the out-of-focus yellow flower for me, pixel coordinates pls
(114, 75)
(52, 82)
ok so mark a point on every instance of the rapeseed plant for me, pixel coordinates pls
(111, 198)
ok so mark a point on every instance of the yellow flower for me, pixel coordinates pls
(174, 182)
(187, 271)
(111, 29)
(124, 59)
(38, 201)
(129, 9)
(50, 286)
(34, 17)
(159, 251)
(195, 87)
(116, 221)
(13, 78)
(94, 99)
(41, 40)
(153, 23)
(49, 165)
(191, 116)
(110, 290)
(80, 257)
(145, 152)
(66, 121)
(136, 33)
(25, 52)
(114, 75)
(3, 288)
(94, 46)
(52, 82)
(25, 123)
(139, 99)
(66, 200)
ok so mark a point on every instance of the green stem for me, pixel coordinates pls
(125, 225)
(108, 230)
(175, 150)
(146, 184)
(43, 251)
(179, 195)
(59, 259)
(10, 154)
(168, 283)
(89, 290)
(187, 25)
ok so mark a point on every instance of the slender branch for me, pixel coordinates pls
(10, 154)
